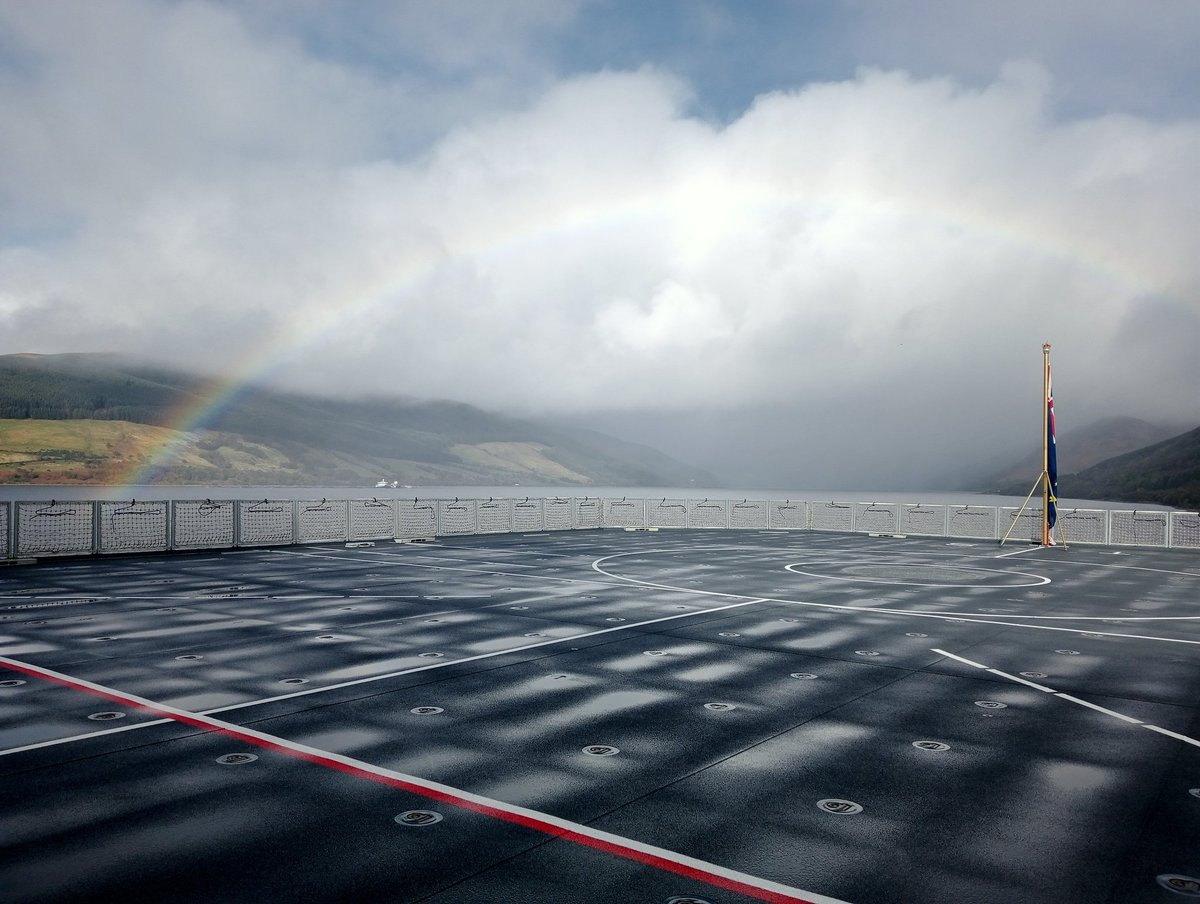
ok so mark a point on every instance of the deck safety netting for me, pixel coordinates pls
(322, 521)
(494, 516)
(927, 520)
(707, 513)
(54, 528)
(1138, 528)
(1082, 525)
(666, 513)
(456, 517)
(559, 514)
(416, 518)
(133, 527)
(788, 515)
(372, 519)
(527, 515)
(201, 525)
(1185, 530)
(265, 523)
(972, 522)
(877, 518)
(749, 514)
(1025, 524)
(831, 516)
(589, 513)
(624, 512)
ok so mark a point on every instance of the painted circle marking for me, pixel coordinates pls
(293, 681)
(106, 717)
(719, 707)
(686, 899)
(426, 710)
(418, 818)
(431, 655)
(932, 569)
(1033, 674)
(188, 657)
(915, 634)
(12, 682)
(803, 676)
(654, 653)
(1068, 652)
(729, 634)
(614, 619)
(991, 704)
(839, 807)
(866, 652)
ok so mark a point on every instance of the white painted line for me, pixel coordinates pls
(370, 679)
(1019, 679)
(942, 616)
(1171, 734)
(548, 824)
(1015, 552)
(1100, 709)
(960, 659)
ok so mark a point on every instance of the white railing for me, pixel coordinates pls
(53, 528)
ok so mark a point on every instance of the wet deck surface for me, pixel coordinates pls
(1014, 729)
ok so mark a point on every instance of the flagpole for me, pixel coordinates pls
(1045, 445)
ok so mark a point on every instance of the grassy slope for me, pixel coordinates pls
(267, 436)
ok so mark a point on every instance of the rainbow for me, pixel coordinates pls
(668, 206)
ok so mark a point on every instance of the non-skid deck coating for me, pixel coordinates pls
(604, 716)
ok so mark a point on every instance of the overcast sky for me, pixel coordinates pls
(835, 233)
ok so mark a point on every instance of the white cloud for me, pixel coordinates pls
(220, 196)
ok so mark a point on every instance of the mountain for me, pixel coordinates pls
(1166, 473)
(87, 418)
(1079, 449)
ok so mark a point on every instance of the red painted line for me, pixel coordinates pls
(577, 833)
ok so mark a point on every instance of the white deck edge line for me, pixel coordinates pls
(443, 791)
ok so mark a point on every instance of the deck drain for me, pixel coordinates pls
(346, 609)
(1068, 652)
(1181, 885)
(803, 676)
(729, 634)
(106, 717)
(915, 634)
(431, 655)
(719, 707)
(433, 621)
(293, 681)
(426, 710)
(236, 759)
(188, 657)
(866, 652)
(12, 682)
(930, 745)
(326, 637)
(991, 704)
(839, 807)
(601, 750)
(418, 818)
(103, 638)
(654, 652)
(1033, 674)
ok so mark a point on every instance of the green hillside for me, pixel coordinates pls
(259, 435)
(1166, 473)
